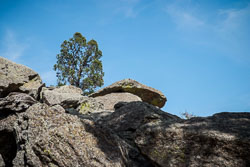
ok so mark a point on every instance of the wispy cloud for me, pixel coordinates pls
(12, 48)
(128, 8)
(233, 29)
(225, 30)
(224, 19)
(183, 17)
(125, 8)
(232, 19)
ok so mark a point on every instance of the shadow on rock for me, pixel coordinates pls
(116, 148)
(8, 147)
(166, 140)
(123, 124)
(222, 140)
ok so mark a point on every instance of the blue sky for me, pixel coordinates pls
(197, 52)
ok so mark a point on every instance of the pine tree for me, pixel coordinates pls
(79, 64)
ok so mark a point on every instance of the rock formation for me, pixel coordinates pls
(18, 78)
(16, 102)
(52, 95)
(117, 126)
(147, 94)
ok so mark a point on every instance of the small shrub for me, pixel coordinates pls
(187, 115)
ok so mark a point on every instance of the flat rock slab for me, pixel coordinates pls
(18, 78)
(147, 94)
(110, 100)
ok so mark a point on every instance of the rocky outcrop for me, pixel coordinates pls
(220, 140)
(128, 118)
(63, 128)
(147, 94)
(18, 78)
(47, 136)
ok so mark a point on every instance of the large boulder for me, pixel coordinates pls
(147, 94)
(53, 95)
(130, 117)
(220, 140)
(111, 99)
(47, 136)
(71, 99)
(18, 78)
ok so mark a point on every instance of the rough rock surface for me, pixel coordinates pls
(16, 102)
(84, 105)
(47, 136)
(109, 100)
(89, 105)
(78, 131)
(18, 78)
(220, 140)
(70, 98)
(53, 96)
(130, 117)
(147, 94)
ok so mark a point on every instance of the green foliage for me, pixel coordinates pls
(79, 64)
